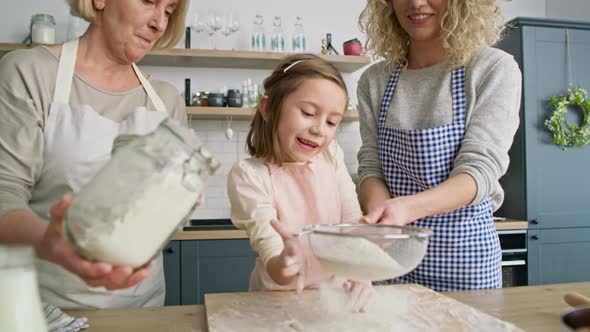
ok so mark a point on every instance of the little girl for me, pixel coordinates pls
(296, 176)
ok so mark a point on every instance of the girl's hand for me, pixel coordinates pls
(292, 259)
(360, 292)
(391, 212)
(54, 247)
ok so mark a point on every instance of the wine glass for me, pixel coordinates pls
(198, 25)
(214, 23)
(235, 22)
(235, 25)
(226, 28)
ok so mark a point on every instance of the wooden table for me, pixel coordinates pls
(189, 318)
(532, 308)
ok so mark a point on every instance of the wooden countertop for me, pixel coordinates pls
(503, 225)
(532, 308)
(510, 224)
(189, 318)
(211, 235)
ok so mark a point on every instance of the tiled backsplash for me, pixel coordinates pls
(212, 132)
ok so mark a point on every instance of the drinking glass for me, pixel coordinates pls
(198, 25)
(214, 23)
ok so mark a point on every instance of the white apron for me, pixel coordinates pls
(78, 144)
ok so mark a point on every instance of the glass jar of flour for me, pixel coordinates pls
(130, 209)
(42, 29)
(20, 304)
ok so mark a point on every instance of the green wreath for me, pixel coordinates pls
(565, 134)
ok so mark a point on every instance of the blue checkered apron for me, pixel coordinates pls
(464, 252)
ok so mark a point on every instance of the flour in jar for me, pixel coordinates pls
(355, 258)
(150, 213)
(131, 207)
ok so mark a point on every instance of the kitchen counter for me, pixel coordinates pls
(506, 224)
(510, 224)
(223, 234)
(532, 308)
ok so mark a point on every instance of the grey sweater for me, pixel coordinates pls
(27, 82)
(423, 99)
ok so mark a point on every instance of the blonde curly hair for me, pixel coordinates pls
(467, 26)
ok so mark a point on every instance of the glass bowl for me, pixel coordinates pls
(367, 252)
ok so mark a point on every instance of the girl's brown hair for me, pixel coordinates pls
(174, 31)
(262, 140)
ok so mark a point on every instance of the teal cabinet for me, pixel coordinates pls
(172, 272)
(214, 266)
(545, 184)
(558, 255)
(196, 267)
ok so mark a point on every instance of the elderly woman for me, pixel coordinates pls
(437, 119)
(61, 108)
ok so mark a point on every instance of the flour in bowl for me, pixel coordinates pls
(355, 258)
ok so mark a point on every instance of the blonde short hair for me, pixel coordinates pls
(467, 27)
(174, 31)
(262, 139)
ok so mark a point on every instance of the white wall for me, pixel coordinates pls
(569, 9)
(336, 16)
(528, 8)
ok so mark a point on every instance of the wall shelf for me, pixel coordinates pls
(226, 59)
(180, 57)
(237, 113)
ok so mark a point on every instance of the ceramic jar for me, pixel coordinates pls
(234, 98)
(352, 47)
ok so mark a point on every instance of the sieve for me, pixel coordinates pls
(369, 252)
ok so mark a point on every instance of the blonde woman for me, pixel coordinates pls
(61, 108)
(437, 119)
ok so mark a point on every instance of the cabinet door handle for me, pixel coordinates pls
(534, 222)
(170, 250)
(534, 237)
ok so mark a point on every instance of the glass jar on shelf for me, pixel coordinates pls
(42, 29)
(131, 208)
(20, 303)
(298, 40)
(277, 39)
(258, 34)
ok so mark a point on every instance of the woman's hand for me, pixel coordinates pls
(54, 247)
(291, 262)
(391, 212)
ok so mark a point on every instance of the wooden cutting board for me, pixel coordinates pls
(392, 308)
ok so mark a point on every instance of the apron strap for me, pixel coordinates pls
(158, 104)
(458, 94)
(65, 72)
